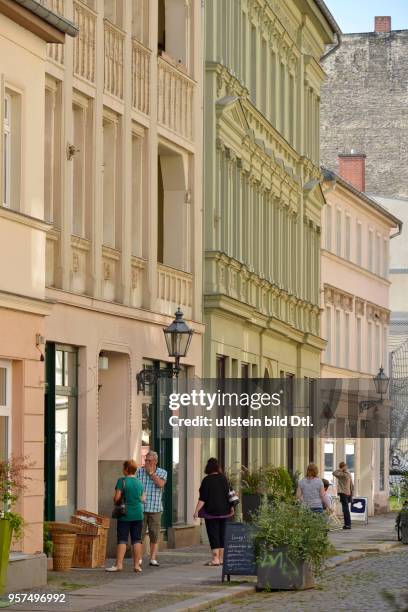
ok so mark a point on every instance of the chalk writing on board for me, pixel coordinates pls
(239, 556)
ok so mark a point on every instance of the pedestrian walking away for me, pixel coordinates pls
(345, 488)
(311, 491)
(154, 480)
(215, 508)
(129, 494)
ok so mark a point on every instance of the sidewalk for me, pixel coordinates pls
(182, 582)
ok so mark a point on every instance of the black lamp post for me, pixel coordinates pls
(178, 339)
(381, 382)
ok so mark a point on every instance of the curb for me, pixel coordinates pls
(202, 602)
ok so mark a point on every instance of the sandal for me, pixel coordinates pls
(138, 570)
(112, 569)
(212, 564)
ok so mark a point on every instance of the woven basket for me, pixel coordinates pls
(100, 520)
(86, 553)
(86, 527)
(63, 551)
(57, 527)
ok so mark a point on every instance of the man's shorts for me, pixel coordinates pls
(152, 522)
(124, 528)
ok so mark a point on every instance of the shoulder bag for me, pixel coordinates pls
(119, 509)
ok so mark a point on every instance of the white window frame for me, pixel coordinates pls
(5, 410)
(7, 135)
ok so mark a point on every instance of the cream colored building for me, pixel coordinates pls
(355, 320)
(123, 140)
(24, 34)
(263, 201)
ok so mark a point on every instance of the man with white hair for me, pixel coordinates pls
(154, 479)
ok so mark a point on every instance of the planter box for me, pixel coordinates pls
(278, 572)
(250, 504)
(5, 543)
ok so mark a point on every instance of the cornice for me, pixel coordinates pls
(353, 266)
(24, 303)
(24, 219)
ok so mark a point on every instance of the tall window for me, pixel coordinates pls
(254, 64)
(221, 367)
(328, 227)
(328, 460)
(371, 250)
(110, 180)
(338, 338)
(385, 258)
(350, 457)
(329, 334)
(5, 410)
(347, 246)
(346, 340)
(359, 344)
(339, 217)
(369, 346)
(7, 151)
(378, 254)
(359, 246)
(378, 359)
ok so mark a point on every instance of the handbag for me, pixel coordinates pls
(119, 509)
(233, 498)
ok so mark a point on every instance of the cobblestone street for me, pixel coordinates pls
(358, 586)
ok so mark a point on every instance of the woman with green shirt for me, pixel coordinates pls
(132, 522)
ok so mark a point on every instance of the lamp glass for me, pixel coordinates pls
(178, 336)
(381, 382)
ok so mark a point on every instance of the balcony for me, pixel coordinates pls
(85, 42)
(55, 52)
(140, 77)
(175, 99)
(174, 288)
(114, 41)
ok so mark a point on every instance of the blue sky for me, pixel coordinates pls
(358, 15)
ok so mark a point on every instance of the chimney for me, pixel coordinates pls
(352, 168)
(382, 25)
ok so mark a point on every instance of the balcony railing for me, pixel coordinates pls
(114, 40)
(175, 99)
(174, 288)
(85, 42)
(55, 51)
(140, 77)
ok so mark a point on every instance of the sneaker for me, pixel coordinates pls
(154, 563)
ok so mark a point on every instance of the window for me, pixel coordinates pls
(369, 346)
(5, 410)
(111, 217)
(11, 169)
(137, 194)
(339, 217)
(254, 64)
(350, 457)
(328, 460)
(359, 246)
(385, 258)
(328, 228)
(378, 254)
(114, 11)
(346, 340)
(328, 335)
(338, 338)
(378, 359)
(371, 250)
(52, 151)
(347, 247)
(7, 151)
(81, 191)
(359, 344)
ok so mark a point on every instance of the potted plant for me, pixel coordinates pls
(12, 484)
(270, 482)
(291, 545)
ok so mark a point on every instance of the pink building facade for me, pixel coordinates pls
(355, 319)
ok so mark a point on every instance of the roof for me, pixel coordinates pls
(329, 175)
(329, 17)
(60, 23)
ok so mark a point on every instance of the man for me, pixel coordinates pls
(154, 480)
(345, 489)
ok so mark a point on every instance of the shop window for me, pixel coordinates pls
(61, 432)
(5, 410)
(350, 457)
(328, 460)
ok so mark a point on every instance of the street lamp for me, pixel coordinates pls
(178, 339)
(381, 382)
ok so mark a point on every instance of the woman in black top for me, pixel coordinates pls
(214, 507)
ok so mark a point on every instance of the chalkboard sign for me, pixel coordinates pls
(239, 554)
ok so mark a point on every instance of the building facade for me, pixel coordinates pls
(123, 127)
(262, 200)
(355, 320)
(363, 105)
(24, 35)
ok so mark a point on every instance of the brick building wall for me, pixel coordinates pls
(364, 106)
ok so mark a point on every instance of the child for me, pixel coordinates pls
(328, 499)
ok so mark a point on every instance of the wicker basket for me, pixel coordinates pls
(63, 551)
(86, 553)
(85, 527)
(99, 519)
(56, 527)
